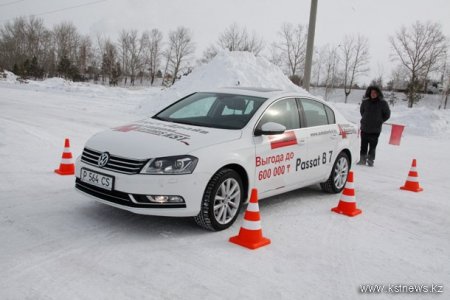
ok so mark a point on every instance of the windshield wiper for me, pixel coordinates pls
(187, 123)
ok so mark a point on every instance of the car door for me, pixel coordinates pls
(276, 154)
(323, 137)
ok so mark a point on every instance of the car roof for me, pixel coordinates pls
(260, 92)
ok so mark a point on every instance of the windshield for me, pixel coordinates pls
(215, 110)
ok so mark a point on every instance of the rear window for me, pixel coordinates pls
(315, 113)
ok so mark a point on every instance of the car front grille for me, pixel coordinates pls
(115, 163)
(140, 201)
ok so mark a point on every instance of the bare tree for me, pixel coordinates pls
(47, 58)
(99, 51)
(137, 46)
(445, 83)
(291, 49)
(235, 38)
(355, 57)
(399, 78)
(155, 53)
(418, 48)
(11, 43)
(446, 91)
(85, 55)
(109, 62)
(318, 64)
(66, 40)
(232, 38)
(331, 59)
(208, 54)
(35, 37)
(132, 50)
(167, 54)
(124, 46)
(274, 57)
(22, 39)
(182, 46)
(253, 44)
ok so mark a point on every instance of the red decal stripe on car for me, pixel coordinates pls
(286, 139)
(342, 132)
(127, 128)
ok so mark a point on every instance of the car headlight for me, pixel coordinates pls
(171, 165)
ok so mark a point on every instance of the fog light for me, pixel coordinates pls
(158, 199)
(176, 199)
(165, 199)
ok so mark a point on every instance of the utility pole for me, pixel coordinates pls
(310, 44)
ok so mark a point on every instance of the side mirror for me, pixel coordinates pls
(270, 128)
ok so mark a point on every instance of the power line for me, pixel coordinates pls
(71, 7)
(62, 9)
(10, 3)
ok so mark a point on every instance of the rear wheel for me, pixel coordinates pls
(222, 201)
(338, 176)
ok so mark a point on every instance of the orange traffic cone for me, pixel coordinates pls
(412, 182)
(250, 235)
(347, 203)
(66, 167)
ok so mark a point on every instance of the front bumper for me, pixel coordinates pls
(130, 190)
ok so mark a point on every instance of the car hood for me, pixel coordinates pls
(153, 138)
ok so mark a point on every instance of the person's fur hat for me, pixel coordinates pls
(376, 88)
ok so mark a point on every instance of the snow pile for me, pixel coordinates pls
(229, 69)
(8, 77)
(85, 89)
(420, 121)
(226, 69)
(60, 84)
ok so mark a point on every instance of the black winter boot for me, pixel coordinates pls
(370, 162)
(362, 160)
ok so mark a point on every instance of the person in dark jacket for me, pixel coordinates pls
(374, 112)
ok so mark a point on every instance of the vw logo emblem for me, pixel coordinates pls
(103, 159)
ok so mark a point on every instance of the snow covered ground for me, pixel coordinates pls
(57, 244)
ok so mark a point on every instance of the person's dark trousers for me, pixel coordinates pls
(369, 142)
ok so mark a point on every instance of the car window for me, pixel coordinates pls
(195, 109)
(315, 114)
(330, 115)
(245, 109)
(217, 110)
(284, 112)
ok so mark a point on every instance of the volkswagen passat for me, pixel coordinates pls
(201, 155)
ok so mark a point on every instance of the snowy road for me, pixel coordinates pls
(58, 244)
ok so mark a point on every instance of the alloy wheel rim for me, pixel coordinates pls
(227, 200)
(341, 173)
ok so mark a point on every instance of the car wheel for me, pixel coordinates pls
(222, 201)
(338, 177)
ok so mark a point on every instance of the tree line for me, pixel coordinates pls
(31, 50)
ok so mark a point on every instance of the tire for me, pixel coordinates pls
(222, 201)
(338, 176)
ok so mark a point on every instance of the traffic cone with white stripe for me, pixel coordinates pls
(66, 167)
(412, 182)
(250, 235)
(347, 203)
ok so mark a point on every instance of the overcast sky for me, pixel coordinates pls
(376, 19)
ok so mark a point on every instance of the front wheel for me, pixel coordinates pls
(222, 201)
(338, 176)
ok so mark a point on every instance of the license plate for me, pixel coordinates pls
(101, 180)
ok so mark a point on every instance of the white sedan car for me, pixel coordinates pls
(201, 156)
